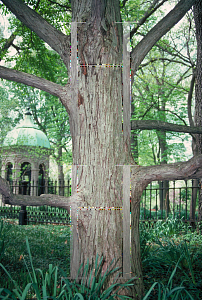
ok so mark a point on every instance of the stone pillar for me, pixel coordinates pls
(3, 175)
(16, 179)
(46, 177)
(3, 172)
(34, 181)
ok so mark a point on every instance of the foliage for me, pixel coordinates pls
(49, 285)
(50, 243)
(33, 53)
(44, 286)
(2, 238)
(48, 113)
(161, 255)
(4, 232)
(159, 91)
(146, 214)
(164, 292)
(8, 118)
(170, 227)
(93, 283)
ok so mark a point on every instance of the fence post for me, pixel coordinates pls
(23, 216)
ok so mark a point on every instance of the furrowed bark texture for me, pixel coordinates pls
(99, 147)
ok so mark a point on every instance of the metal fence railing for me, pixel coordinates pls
(159, 201)
(177, 198)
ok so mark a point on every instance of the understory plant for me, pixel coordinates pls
(49, 286)
(3, 231)
(165, 292)
(1, 239)
(160, 255)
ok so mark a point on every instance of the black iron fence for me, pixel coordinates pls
(164, 199)
(62, 188)
(159, 201)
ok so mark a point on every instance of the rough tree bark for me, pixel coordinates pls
(95, 115)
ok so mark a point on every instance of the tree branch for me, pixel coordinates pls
(163, 59)
(190, 169)
(124, 3)
(48, 199)
(8, 43)
(166, 49)
(163, 126)
(153, 7)
(34, 81)
(67, 7)
(53, 37)
(161, 28)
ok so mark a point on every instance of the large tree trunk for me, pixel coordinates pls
(99, 148)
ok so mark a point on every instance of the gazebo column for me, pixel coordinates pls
(34, 182)
(3, 171)
(46, 179)
(16, 179)
(3, 175)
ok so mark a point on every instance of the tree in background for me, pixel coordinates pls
(165, 91)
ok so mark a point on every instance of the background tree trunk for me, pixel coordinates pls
(134, 139)
(60, 172)
(193, 203)
(164, 194)
(198, 86)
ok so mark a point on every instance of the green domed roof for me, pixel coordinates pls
(26, 133)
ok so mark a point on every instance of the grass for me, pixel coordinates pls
(49, 245)
(171, 258)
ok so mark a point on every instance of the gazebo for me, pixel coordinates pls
(25, 158)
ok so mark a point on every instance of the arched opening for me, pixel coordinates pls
(41, 180)
(9, 172)
(25, 178)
